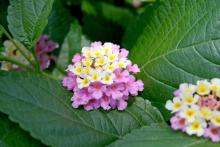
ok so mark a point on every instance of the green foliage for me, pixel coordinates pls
(13, 136)
(110, 21)
(137, 27)
(27, 19)
(58, 22)
(3, 12)
(42, 106)
(179, 43)
(118, 15)
(73, 43)
(172, 41)
(1, 33)
(159, 135)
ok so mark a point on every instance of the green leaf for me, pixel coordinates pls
(3, 12)
(27, 19)
(72, 2)
(160, 135)
(1, 39)
(110, 21)
(11, 135)
(118, 15)
(137, 27)
(58, 22)
(73, 43)
(1, 32)
(180, 42)
(42, 107)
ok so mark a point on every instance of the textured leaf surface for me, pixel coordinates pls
(160, 135)
(42, 107)
(180, 42)
(28, 18)
(13, 136)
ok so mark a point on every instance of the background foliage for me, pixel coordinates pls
(172, 42)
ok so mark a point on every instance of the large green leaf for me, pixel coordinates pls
(160, 135)
(28, 18)
(180, 42)
(42, 107)
(13, 136)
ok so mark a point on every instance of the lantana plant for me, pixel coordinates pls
(102, 76)
(43, 48)
(196, 109)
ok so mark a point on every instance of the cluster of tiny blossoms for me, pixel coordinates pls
(102, 77)
(196, 109)
(11, 51)
(43, 48)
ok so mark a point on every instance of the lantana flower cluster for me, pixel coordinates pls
(12, 52)
(102, 77)
(196, 109)
(43, 48)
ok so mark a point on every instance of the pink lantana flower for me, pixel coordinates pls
(132, 87)
(115, 90)
(213, 133)
(121, 76)
(176, 92)
(102, 77)
(77, 58)
(178, 123)
(133, 68)
(196, 109)
(70, 81)
(44, 47)
(124, 53)
(97, 89)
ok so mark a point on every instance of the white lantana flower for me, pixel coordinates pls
(107, 47)
(86, 52)
(187, 89)
(82, 82)
(107, 78)
(190, 113)
(203, 87)
(196, 127)
(174, 105)
(190, 100)
(216, 118)
(205, 113)
(76, 68)
(215, 84)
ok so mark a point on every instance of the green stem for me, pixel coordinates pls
(17, 46)
(3, 58)
(37, 61)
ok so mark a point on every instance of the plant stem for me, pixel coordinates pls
(3, 58)
(36, 59)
